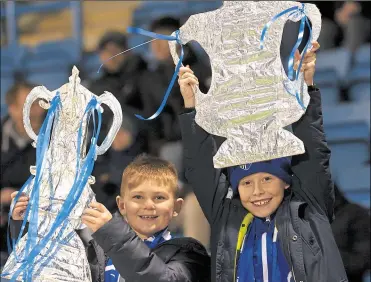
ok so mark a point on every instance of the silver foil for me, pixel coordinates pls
(247, 102)
(69, 262)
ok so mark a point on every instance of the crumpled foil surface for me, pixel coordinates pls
(248, 102)
(69, 261)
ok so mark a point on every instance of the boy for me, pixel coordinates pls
(270, 221)
(137, 243)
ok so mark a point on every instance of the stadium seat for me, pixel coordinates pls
(354, 178)
(145, 15)
(90, 64)
(6, 83)
(330, 95)
(326, 77)
(51, 80)
(349, 153)
(337, 59)
(361, 198)
(347, 122)
(196, 7)
(362, 54)
(360, 92)
(359, 73)
(52, 56)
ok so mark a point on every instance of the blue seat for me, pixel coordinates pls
(90, 65)
(6, 83)
(354, 178)
(347, 122)
(326, 77)
(362, 198)
(359, 73)
(330, 95)
(348, 154)
(143, 15)
(51, 80)
(360, 92)
(11, 58)
(52, 56)
(337, 59)
(362, 54)
(196, 7)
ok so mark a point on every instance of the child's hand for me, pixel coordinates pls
(309, 63)
(96, 216)
(187, 80)
(20, 207)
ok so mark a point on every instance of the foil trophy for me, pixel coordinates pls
(59, 185)
(250, 99)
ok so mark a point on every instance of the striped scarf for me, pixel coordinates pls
(261, 258)
(112, 275)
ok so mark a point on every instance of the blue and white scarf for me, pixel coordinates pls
(261, 258)
(112, 275)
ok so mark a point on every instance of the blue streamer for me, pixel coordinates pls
(176, 38)
(81, 177)
(304, 20)
(14, 242)
(40, 153)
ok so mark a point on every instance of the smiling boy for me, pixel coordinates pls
(270, 221)
(135, 245)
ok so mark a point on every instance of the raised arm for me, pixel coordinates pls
(135, 261)
(209, 184)
(311, 169)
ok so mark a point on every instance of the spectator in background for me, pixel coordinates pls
(351, 229)
(120, 76)
(17, 153)
(165, 140)
(344, 23)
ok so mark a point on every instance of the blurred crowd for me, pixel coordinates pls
(139, 85)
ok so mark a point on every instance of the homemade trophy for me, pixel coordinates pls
(251, 99)
(59, 186)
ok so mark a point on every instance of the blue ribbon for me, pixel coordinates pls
(15, 242)
(83, 171)
(304, 20)
(42, 144)
(176, 38)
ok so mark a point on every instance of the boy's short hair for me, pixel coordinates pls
(170, 23)
(12, 94)
(149, 168)
(115, 37)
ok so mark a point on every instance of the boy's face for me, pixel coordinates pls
(261, 193)
(148, 208)
(160, 48)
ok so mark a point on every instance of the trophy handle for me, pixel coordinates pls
(39, 92)
(114, 105)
